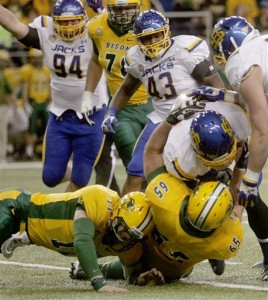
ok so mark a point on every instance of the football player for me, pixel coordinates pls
(67, 49)
(242, 51)
(184, 226)
(89, 223)
(112, 36)
(167, 67)
(35, 78)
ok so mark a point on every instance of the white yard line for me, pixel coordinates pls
(228, 285)
(211, 283)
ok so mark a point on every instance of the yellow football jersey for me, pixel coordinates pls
(146, 4)
(168, 197)
(111, 49)
(38, 81)
(13, 76)
(50, 219)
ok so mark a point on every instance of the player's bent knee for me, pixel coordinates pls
(80, 177)
(50, 178)
(135, 168)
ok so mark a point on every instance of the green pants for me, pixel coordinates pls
(132, 120)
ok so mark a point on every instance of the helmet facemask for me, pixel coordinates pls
(219, 163)
(213, 139)
(130, 222)
(154, 49)
(66, 32)
(122, 16)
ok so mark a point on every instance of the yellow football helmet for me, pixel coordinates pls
(122, 13)
(209, 205)
(69, 19)
(4, 59)
(147, 25)
(134, 214)
(35, 53)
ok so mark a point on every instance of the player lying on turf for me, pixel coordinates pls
(89, 223)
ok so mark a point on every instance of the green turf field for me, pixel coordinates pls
(37, 273)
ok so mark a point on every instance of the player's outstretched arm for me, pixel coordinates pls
(84, 231)
(12, 24)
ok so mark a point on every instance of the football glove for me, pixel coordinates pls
(248, 192)
(96, 5)
(207, 93)
(87, 107)
(184, 108)
(110, 121)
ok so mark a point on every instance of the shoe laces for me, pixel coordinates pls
(265, 273)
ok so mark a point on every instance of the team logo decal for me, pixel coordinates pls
(99, 32)
(217, 37)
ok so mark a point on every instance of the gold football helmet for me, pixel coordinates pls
(133, 215)
(5, 59)
(122, 13)
(209, 205)
(69, 19)
(35, 53)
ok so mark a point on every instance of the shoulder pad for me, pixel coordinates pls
(188, 42)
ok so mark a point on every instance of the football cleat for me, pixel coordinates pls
(265, 273)
(218, 266)
(18, 239)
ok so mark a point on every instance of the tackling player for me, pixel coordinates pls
(89, 223)
(67, 50)
(188, 224)
(243, 52)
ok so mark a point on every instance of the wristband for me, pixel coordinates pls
(98, 283)
(252, 176)
(112, 110)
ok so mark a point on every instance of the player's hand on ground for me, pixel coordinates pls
(184, 108)
(207, 93)
(110, 289)
(152, 277)
(110, 121)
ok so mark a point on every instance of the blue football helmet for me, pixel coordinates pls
(69, 19)
(213, 139)
(122, 13)
(147, 24)
(227, 35)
